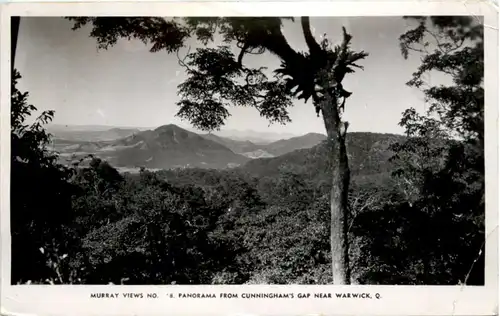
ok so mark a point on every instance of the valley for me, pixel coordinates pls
(172, 147)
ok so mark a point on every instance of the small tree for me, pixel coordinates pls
(40, 197)
(218, 79)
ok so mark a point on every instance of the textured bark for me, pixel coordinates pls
(336, 132)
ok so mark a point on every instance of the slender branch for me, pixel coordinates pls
(417, 50)
(473, 264)
(246, 48)
(182, 61)
(314, 47)
(368, 203)
(438, 43)
(246, 45)
(457, 44)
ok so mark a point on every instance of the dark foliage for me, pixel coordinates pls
(439, 168)
(41, 213)
(416, 203)
(217, 79)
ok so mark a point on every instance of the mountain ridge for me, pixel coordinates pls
(170, 146)
(74, 132)
(167, 146)
(369, 159)
(277, 148)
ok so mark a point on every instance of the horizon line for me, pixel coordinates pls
(206, 132)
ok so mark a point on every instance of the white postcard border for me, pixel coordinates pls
(394, 300)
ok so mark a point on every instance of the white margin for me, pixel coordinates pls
(395, 300)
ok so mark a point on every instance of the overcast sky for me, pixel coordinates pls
(129, 86)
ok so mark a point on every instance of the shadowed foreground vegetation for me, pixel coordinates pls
(265, 222)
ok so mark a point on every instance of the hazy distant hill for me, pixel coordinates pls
(368, 156)
(168, 146)
(284, 146)
(93, 133)
(237, 146)
(78, 128)
(259, 153)
(280, 147)
(258, 138)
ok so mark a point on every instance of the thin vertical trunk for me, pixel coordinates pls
(336, 132)
(14, 32)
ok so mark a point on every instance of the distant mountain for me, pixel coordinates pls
(102, 132)
(284, 146)
(92, 133)
(280, 147)
(368, 159)
(258, 138)
(78, 128)
(170, 146)
(237, 146)
(259, 153)
(96, 128)
(167, 146)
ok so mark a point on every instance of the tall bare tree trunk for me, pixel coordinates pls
(336, 132)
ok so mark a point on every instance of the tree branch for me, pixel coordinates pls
(182, 61)
(277, 44)
(246, 45)
(473, 263)
(314, 47)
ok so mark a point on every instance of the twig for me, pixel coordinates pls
(474, 262)
(439, 45)
(182, 61)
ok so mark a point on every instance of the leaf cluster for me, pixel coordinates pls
(217, 79)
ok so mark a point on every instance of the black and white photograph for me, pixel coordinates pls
(263, 150)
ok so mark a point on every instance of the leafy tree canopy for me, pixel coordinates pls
(453, 46)
(218, 79)
(440, 167)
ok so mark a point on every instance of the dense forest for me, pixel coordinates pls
(416, 202)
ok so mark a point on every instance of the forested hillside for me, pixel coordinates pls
(265, 222)
(167, 146)
(369, 155)
(170, 146)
